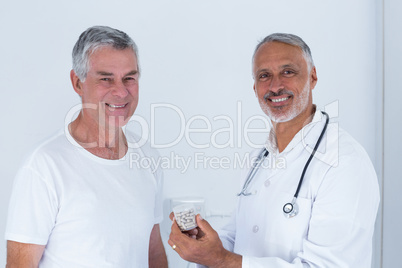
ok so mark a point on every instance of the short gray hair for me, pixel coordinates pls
(96, 37)
(289, 39)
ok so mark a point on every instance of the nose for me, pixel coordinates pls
(119, 90)
(276, 84)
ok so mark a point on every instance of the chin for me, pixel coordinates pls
(118, 122)
(277, 115)
(280, 119)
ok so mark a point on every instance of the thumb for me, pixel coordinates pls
(203, 224)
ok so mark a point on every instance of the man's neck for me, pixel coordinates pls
(99, 140)
(285, 131)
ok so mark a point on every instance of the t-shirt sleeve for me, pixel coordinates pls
(32, 210)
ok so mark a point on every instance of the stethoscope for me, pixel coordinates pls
(290, 209)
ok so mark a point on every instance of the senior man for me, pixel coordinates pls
(76, 201)
(318, 211)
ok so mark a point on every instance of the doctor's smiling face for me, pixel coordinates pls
(283, 81)
(111, 84)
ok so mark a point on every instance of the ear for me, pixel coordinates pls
(313, 78)
(76, 82)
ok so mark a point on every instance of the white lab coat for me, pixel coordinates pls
(338, 204)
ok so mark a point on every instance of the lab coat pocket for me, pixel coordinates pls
(290, 232)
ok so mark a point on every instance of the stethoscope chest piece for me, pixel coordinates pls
(291, 209)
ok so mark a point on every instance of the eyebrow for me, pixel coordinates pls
(261, 70)
(104, 73)
(289, 66)
(133, 72)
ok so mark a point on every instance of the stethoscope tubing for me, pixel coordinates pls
(312, 155)
(264, 153)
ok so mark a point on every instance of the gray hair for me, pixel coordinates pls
(94, 38)
(289, 39)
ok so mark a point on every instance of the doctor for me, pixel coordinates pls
(331, 222)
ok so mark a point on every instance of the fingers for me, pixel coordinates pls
(200, 234)
(193, 231)
(204, 226)
(174, 246)
(205, 249)
(177, 236)
(198, 219)
(179, 241)
(174, 236)
(190, 233)
(175, 230)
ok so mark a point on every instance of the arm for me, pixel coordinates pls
(21, 255)
(340, 228)
(207, 250)
(341, 224)
(157, 255)
(227, 233)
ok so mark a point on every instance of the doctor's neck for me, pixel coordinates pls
(285, 131)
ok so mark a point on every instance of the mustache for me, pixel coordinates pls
(277, 94)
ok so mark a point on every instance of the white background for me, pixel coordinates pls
(195, 55)
(392, 127)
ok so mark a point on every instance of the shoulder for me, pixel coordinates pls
(51, 147)
(350, 148)
(348, 156)
(340, 146)
(42, 163)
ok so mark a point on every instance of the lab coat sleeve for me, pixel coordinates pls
(227, 233)
(342, 220)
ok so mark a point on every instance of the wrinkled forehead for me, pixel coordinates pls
(110, 54)
(276, 47)
(277, 53)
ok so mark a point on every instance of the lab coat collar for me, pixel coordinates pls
(305, 134)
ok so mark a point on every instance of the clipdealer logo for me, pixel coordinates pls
(201, 160)
(236, 134)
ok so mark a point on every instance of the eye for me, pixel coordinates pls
(289, 72)
(129, 79)
(263, 76)
(106, 79)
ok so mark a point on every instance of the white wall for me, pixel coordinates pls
(194, 55)
(392, 232)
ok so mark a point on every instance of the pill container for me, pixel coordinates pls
(185, 216)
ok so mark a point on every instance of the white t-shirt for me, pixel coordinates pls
(88, 211)
(337, 202)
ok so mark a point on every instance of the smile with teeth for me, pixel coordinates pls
(116, 106)
(279, 100)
